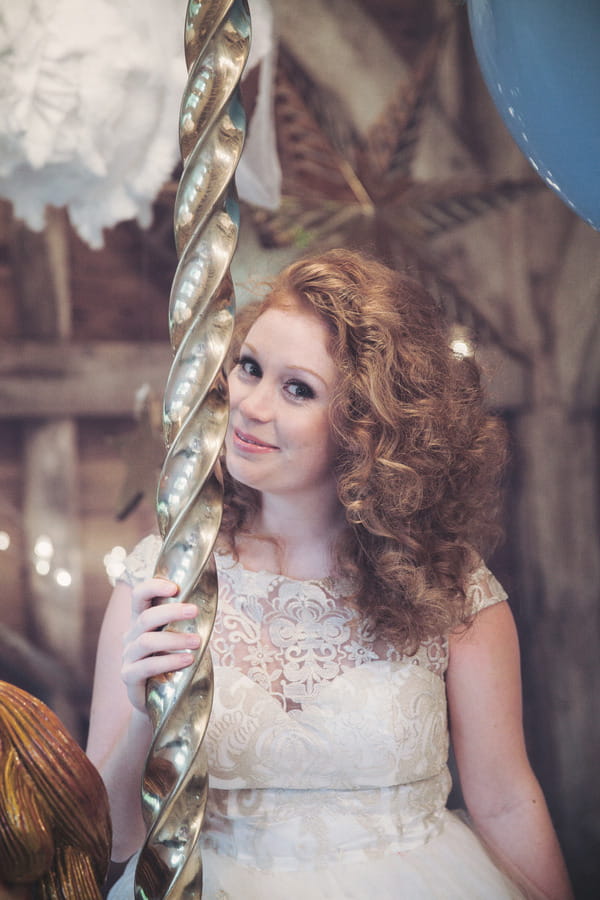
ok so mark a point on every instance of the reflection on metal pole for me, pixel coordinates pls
(189, 503)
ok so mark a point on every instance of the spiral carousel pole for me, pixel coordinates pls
(189, 502)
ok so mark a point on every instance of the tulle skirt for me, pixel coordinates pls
(453, 865)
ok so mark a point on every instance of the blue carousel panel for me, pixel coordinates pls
(541, 62)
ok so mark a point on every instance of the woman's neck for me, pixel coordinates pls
(300, 537)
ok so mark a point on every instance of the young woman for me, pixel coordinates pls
(355, 610)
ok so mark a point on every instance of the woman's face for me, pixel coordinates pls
(279, 438)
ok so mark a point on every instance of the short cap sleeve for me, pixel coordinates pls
(483, 589)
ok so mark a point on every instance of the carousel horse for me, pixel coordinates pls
(55, 831)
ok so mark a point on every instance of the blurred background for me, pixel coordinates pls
(370, 126)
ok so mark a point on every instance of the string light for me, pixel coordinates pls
(4, 540)
(461, 341)
(461, 348)
(63, 578)
(44, 548)
(43, 552)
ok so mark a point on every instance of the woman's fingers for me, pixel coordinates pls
(136, 674)
(150, 642)
(154, 617)
(146, 591)
(147, 615)
(154, 653)
(148, 648)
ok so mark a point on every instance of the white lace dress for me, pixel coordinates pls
(327, 752)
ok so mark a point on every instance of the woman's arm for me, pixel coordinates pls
(120, 731)
(500, 790)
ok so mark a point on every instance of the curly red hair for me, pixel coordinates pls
(420, 459)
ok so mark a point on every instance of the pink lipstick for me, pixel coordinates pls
(250, 444)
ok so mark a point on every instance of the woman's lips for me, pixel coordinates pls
(251, 444)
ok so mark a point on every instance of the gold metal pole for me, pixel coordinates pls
(189, 502)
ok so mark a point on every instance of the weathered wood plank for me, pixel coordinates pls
(97, 378)
(51, 509)
(558, 584)
(40, 267)
(577, 319)
(50, 496)
(100, 378)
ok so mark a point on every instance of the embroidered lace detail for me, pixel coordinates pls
(292, 637)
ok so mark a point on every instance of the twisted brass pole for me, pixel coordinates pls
(189, 502)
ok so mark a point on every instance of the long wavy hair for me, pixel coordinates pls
(419, 460)
(55, 832)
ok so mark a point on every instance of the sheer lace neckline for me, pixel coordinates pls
(343, 583)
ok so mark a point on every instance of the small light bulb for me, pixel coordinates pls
(44, 547)
(63, 578)
(461, 347)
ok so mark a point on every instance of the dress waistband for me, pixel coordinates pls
(293, 829)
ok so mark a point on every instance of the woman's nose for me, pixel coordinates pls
(257, 403)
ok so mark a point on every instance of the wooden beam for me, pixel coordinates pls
(51, 510)
(100, 378)
(577, 319)
(50, 465)
(558, 585)
(505, 379)
(41, 273)
(94, 378)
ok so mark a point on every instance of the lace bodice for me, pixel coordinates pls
(316, 721)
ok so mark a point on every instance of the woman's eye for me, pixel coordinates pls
(299, 390)
(249, 367)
